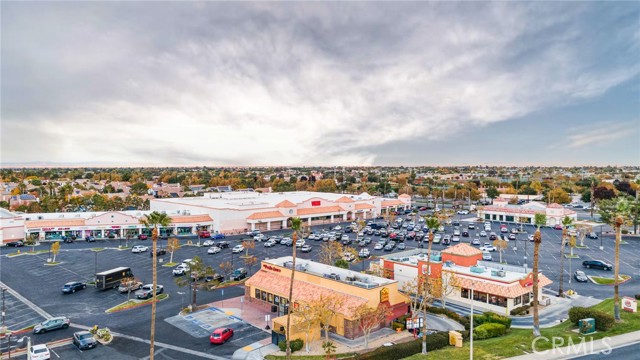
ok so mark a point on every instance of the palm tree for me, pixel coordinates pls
(154, 220)
(540, 220)
(296, 225)
(616, 213)
(566, 222)
(433, 224)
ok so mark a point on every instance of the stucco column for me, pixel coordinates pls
(269, 225)
(253, 226)
(102, 233)
(344, 217)
(284, 224)
(309, 221)
(331, 219)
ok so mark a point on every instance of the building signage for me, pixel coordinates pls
(315, 203)
(527, 281)
(272, 268)
(64, 228)
(384, 295)
(629, 304)
(115, 227)
(47, 229)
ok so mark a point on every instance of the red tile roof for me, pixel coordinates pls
(285, 204)
(387, 203)
(265, 215)
(190, 219)
(511, 210)
(345, 200)
(302, 291)
(364, 206)
(462, 249)
(54, 223)
(506, 290)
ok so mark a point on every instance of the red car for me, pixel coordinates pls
(142, 237)
(221, 335)
(204, 234)
(558, 227)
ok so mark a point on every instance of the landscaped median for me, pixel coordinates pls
(134, 303)
(609, 281)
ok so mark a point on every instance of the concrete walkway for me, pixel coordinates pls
(555, 313)
(601, 346)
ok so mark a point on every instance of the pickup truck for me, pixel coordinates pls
(146, 291)
(129, 286)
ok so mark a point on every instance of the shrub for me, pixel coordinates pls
(400, 351)
(624, 231)
(489, 330)
(637, 296)
(603, 320)
(521, 310)
(451, 315)
(395, 325)
(491, 317)
(296, 345)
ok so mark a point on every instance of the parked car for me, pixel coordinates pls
(73, 286)
(493, 236)
(55, 323)
(218, 236)
(364, 253)
(597, 264)
(239, 274)
(455, 239)
(504, 229)
(488, 247)
(269, 243)
(215, 277)
(401, 246)
(512, 236)
(483, 233)
(514, 230)
(222, 245)
(142, 237)
(208, 243)
(146, 291)
(125, 287)
(475, 241)
(213, 250)
(347, 256)
(305, 248)
(300, 243)
(530, 237)
(592, 235)
(159, 252)
(68, 239)
(580, 276)
(471, 227)
(437, 238)
(89, 239)
(463, 212)
(465, 233)
(139, 248)
(204, 234)
(221, 335)
(181, 269)
(486, 256)
(84, 340)
(237, 249)
(39, 352)
(557, 227)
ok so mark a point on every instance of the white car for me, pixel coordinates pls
(39, 352)
(463, 212)
(214, 250)
(475, 241)
(455, 239)
(530, 237)
(260, 238)
(208, 243)
(181, 269)
(514, 230)
(139, 249)
(488, 247)
(486, 256)
(456, 232)
(269, 243)
(378, 246)
(337, 228)
(237, 249)
(300, 243)
(483, 233)
(364, 253)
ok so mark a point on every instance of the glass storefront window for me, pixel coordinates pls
(526, 298)
(517, 300)
(257, 294)
(464, 293)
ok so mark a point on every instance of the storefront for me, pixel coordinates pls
(315, 280)
(502, 211)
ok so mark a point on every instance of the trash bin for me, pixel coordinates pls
(455, 338)
(274, 308)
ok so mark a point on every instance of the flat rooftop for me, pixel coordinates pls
(487, 270)
(331, 272)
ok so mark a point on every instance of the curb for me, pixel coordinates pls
(50, 345)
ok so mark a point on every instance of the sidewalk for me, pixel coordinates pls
(555, 313)
(594, 348)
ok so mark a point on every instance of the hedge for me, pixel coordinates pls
(637, 296)
(491, 317)
(395, 325)
(489, 330)
(603, 320)
(521, 310)
(296, 345)
(435, 341)
(451, 315)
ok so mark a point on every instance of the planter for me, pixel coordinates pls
(103, 336)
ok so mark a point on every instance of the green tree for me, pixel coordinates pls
(540, 220)
(154, 220)
(566, 222)
(197, 271)
(616, 213)
(341, 263)
(492, 193)
(139, 189)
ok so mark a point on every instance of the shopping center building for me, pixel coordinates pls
(497, 287)
(502, 211)
(241, 211)
(313, 280)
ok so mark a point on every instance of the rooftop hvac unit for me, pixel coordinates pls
(477, 269)
(502, 273)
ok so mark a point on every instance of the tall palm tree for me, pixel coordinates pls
(566, 222)
(616, 213)
(540, 220)
(154, 220)
(296, 225)
(433, 224)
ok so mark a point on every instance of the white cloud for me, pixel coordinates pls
(281, 84)
(601, 133)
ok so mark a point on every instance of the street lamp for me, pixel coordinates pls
(28, 345)
(182, 297)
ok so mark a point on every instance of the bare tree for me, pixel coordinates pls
(501, 245)
(307, 319)
(226, 268)
(330, 252)
(370, 319)
(248, 245)
(173, 244)
(326, 308)
(449, 284)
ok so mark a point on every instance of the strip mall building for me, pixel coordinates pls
(241, 211)
(524, 214)
(270, 286)
(498, 288)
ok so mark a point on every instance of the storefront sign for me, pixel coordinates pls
(315, 203)
(64, 228)
(629, 304)
(528, 281)
(47, 229)
(272, 268)
(384, 295)
(115, 227)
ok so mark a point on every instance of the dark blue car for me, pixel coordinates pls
(218, 236)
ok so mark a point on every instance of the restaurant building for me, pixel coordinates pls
(11, 227)
(270, 285)
(502, 211)
(497, 287)
(241, 211)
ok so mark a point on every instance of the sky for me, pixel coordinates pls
(327, 84)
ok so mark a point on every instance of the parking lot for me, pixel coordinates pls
(30, 277)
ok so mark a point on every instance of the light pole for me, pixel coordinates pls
(182, 301)
(471, 324)
(28, 346)
(95, 263)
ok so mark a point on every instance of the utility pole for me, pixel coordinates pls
(3, 308)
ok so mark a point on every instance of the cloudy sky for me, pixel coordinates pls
(358, 83)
